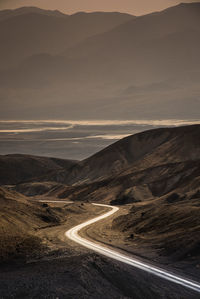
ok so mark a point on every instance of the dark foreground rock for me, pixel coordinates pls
(85, 276)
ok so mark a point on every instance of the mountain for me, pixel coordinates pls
(146, 67)
(28, 31)
(147, 48)
(141, 151)
(22, 168)
(164, 147)
(154, 151)
(9, 13)
(139, 168)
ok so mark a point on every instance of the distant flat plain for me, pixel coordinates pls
(71, 139)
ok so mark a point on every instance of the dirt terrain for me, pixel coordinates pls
(155, 232)
(25, 224)
(66, 270)
(84, 275)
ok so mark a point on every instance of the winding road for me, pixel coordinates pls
(73, 235)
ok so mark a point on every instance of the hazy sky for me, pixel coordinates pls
(136, 7)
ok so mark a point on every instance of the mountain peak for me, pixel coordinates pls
(189, 4)
(186, 5)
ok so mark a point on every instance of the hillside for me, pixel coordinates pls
(156, 186)
(19, 220)
(21, 168)
(141, 151)
(152, 149)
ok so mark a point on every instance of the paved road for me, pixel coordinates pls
(55, 201)
(101, 249)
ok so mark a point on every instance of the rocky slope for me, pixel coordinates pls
(160, 152)
(19, 219)
(141, 151)
(158, 182)
(17, 169)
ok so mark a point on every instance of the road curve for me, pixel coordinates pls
(55, 201)
(73, 235)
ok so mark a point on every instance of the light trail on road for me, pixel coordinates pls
(73, 235)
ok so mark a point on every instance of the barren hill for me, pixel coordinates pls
(156, 185)
(21, 168)
(141, 151)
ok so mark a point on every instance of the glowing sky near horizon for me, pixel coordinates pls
(135, 7)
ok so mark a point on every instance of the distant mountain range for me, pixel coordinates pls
(9, 13)
(29, 31)
(100, 65)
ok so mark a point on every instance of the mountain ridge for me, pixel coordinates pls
(8, 13)
(43, 31)
(134, 153)
(142, 51)
(141, 150)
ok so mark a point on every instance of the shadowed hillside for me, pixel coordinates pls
(22, 168)
(141, 151)
(18, 222)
